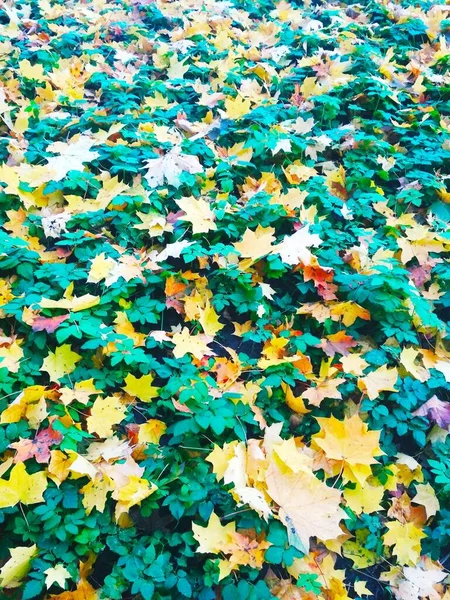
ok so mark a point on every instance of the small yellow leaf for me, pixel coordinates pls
(405, 539)
(132, 493)
(349, 312)
(151, 432)
(381, 380)
(61, 362)
(349, 445)
(192, 344)
(215, 537)
(256, 244)
(95, 493)
(361, 589)
(101, 267)
(426, 496)
(198, 213)
(29, 71)
(56, 575)
(209, 320)
(364, 498)
(10, 357)
(140, 387)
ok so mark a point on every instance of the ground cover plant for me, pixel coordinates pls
(225, 299)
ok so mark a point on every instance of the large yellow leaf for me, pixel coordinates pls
(105, 413)
(15, 569)
(308, 507)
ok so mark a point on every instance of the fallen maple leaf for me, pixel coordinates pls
(22, 487)
(61, 362)
(141, 387)
(49, 325)
(170, 168)
(197, 212)
(350, 445)
(436, 410)
(308, 507)
(256, 244)
(105, 413)
(405, 539)
(39, 447)
(197, 345)
(295, 248)
(380, 380)
(15, 569)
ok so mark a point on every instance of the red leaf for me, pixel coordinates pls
(39, 448)
(48, 324)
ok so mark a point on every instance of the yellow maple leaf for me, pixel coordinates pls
(59, 466)
(354, 364)
(95, 493)
(151, 431)
(10, 357)
(220, 458)
(105, 413)
(177, 68)
(22, 487)
(127, 496)
(349, 312)
(209, 320)
(296, 173)
(364, 498)
(15, 569)
(308, 507)
(101, 267)
(408, 358)
(236, 108)
(56, 575)
(185, 343)
(215, 537)
(405, 539)
(349, 445)
(256, 244)
(198, 213)
(380, 380)
(426, 496)
(141, 387)
(61, 362)
(324, 389)
(29, 71)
